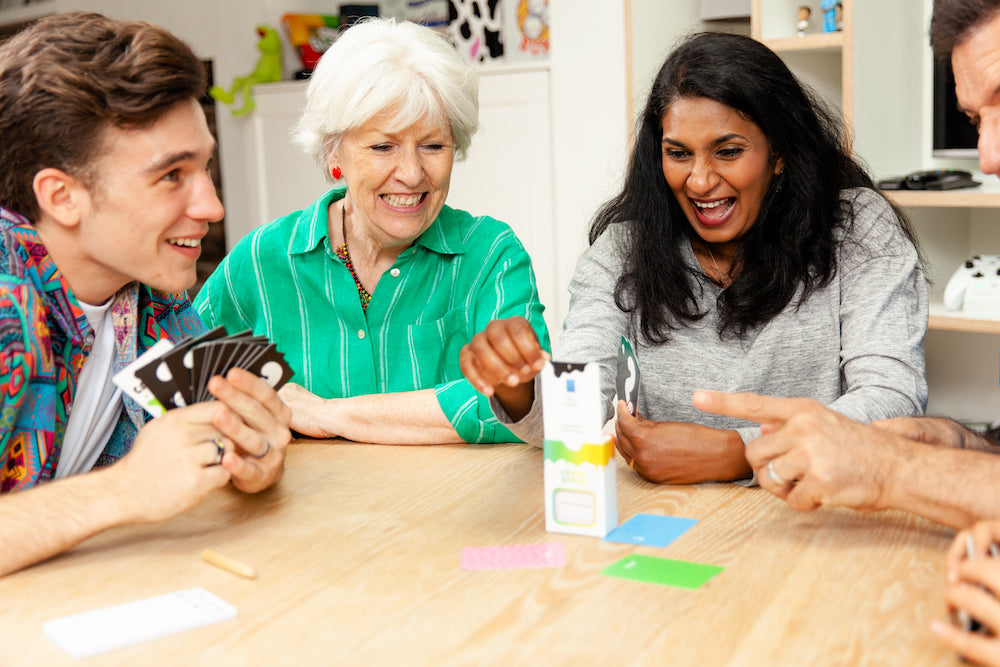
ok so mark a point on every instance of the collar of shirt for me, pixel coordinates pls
(440, 237)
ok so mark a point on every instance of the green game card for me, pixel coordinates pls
(663, 571)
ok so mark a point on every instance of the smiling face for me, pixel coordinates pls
(718, 165)
(397, 182)
(150, 205)
(976, 64)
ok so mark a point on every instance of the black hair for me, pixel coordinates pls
(793, 242)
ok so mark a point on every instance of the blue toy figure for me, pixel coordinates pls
(830, 8)
(268, 69)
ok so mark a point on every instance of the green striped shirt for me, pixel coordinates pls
(285, 282)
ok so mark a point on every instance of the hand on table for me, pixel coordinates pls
(311, 414)
(503, 360)
(808, 454)
(973, 586)
(678, 452)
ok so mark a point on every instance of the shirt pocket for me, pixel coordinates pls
(434, 347)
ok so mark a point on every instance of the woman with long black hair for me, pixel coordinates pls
(747, 251)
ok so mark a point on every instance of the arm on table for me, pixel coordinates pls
(678, 452)
(831, 460)
(407, 417)
(157, 479)
(172, 465)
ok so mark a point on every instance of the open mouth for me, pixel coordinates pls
(715, 211)
(185, 243)
(404, 201)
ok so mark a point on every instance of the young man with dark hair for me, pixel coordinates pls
(104, 200)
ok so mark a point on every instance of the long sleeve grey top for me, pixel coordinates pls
(856, 345)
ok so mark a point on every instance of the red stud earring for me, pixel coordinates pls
(335, 172)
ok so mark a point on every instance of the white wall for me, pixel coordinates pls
(590, 122)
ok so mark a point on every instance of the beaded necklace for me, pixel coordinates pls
(345, 256)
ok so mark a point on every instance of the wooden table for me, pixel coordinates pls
(358, 552)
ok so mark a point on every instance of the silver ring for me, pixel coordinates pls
(775, 477)
(222, 449)
(267, 448)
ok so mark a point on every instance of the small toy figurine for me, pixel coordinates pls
(802, 19)
(831, 10)
(268, 69)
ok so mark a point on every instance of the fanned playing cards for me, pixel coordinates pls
(172, 375)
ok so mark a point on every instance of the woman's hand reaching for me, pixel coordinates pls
(502, 361)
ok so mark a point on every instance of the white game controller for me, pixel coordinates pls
(974, 288)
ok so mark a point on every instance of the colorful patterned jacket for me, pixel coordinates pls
(44, 340)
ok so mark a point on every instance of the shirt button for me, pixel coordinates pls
(361, 333)
(394, 272)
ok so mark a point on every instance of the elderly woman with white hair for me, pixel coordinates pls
(371, 291)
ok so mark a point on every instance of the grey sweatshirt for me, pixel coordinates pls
(856, 345)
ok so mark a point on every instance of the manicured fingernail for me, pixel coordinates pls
(512, 380)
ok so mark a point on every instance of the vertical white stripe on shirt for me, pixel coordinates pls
(304, 319)
(258, 272)
(233, 296)
(383, 343)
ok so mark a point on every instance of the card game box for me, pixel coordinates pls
(580, 486)
(172, 375)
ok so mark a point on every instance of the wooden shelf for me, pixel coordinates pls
(816, 42)
(981, 197)
(946, 320)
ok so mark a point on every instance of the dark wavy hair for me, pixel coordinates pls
(793, 241)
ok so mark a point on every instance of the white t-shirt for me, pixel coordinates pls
(98, 401)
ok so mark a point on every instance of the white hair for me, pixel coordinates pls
(378, 65)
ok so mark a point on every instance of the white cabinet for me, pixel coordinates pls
(281, 177)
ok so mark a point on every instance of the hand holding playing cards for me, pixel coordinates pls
(175, 461)
(677, 452)
(243, 372)
(251, 417)
(973, 584)
(173, 464)
(502, 360)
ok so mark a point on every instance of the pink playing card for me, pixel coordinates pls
(513, 556)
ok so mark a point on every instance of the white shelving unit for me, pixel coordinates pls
(877, 72)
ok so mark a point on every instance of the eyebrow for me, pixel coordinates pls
(974, 117)
(172, 159)
(720, 140)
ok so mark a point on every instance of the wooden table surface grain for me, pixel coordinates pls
(358, 554)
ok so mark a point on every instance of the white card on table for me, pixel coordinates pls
(100, 630)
